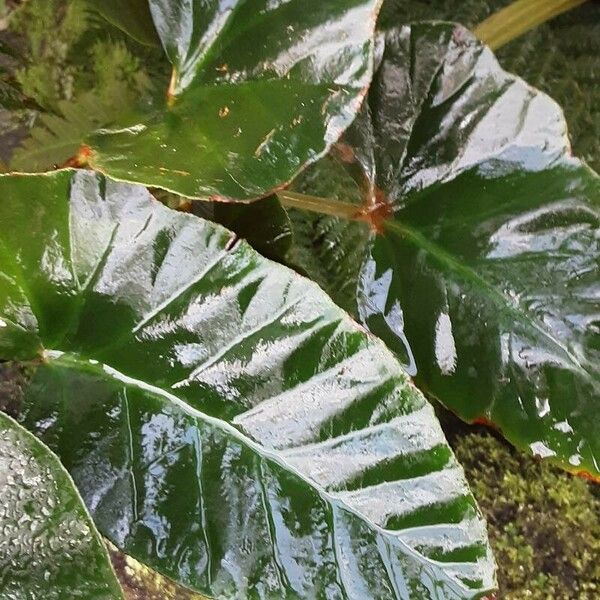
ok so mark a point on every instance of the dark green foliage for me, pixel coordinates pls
(544, 525)
(326, 249)
(133, 17)
(170, 351)
(14, 378)
(329, 249)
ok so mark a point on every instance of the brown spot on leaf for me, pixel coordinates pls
(484, 421)
(81, 160)
(344, 152)
(142, 583)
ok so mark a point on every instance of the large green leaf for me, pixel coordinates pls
(49, 547)
(561, 57)
(484, 277)
(259, 90)
(225, 422)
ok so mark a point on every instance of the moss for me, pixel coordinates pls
(544, 524)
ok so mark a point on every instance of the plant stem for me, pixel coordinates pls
(324, 206)
(518, 18)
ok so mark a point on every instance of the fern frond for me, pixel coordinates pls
(328, 249)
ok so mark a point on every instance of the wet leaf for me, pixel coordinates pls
(259, 90)
(561, 57)
(485, 276)
(49, 547)
(226, 423)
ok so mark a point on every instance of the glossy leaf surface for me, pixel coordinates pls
(49, 547)
(225, 422)
(561, 57)
(486, 276)
(259, 90)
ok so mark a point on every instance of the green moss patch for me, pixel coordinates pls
(544, 524)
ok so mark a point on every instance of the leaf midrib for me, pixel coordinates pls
(72, 361)
(466, 272)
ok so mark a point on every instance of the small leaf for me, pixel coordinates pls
(259, 90)
(484, 278)
(49, 547)
(226, 423)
